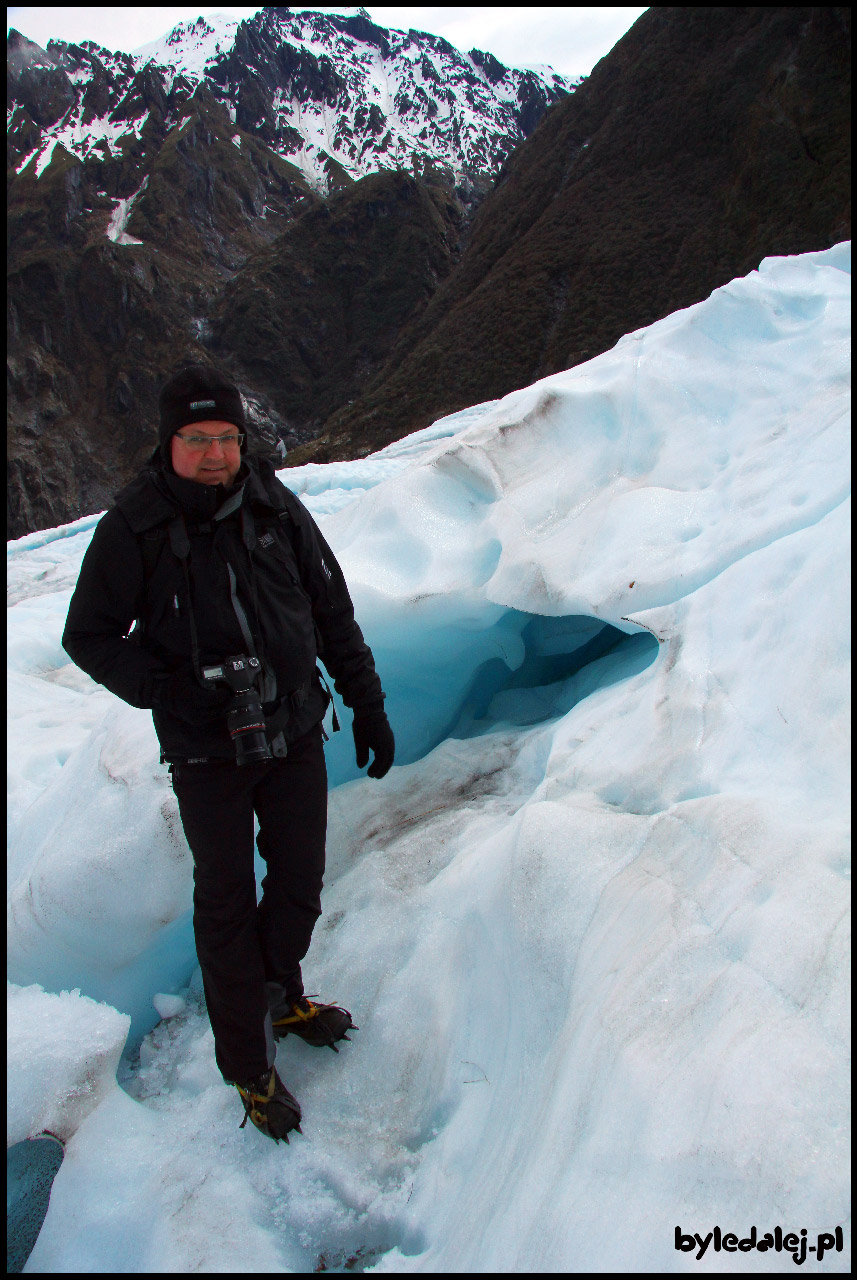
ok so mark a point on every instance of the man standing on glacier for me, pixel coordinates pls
(234, 594)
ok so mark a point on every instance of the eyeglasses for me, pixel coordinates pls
(205, 442)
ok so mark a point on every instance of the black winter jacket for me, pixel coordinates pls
(287, 581)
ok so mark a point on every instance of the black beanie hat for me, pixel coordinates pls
(198, 394)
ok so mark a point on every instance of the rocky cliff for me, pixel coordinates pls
(312, 318)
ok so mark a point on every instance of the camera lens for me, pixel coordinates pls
(246, 724)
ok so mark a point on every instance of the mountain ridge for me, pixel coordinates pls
(623, 207)
(292, 79)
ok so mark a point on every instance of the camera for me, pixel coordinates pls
(245, 719)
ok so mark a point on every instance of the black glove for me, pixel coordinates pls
(180, 695)
(373, 732)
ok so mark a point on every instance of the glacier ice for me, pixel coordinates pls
(593, 926)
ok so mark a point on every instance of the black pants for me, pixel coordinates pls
(241, 946)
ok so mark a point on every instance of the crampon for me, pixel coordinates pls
(317, 1024)
(270, 1106)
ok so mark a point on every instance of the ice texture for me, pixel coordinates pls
(593, 926)
(63, 1053)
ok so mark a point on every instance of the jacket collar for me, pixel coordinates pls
(157, 495)
(199, 501)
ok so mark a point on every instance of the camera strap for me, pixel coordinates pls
(239, 612)
(268, 690)
(180, 547)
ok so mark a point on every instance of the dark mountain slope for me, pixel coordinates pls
(94, 322)
(312, 317)
(707, 139)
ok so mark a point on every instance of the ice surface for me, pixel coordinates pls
(593, 925)
(63, 1053)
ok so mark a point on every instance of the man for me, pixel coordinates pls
(213, 559)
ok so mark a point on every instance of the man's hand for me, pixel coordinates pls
(180, 695)
(373, 732)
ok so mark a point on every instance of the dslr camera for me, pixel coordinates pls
(245, 719)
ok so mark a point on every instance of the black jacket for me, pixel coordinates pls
(287, 582)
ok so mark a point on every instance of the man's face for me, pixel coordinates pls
(216, 464)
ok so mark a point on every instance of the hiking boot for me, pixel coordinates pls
(268, 1103)
(317, 1024)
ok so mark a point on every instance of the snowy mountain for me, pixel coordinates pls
(141, 185)
(338, 97)
(167, 207)
(593, 925)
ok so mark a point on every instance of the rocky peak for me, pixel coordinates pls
(337, 96)
(35, 85)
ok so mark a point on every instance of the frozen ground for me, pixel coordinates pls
(594, 924)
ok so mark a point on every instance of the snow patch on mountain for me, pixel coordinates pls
(190, 46)
(119, 219)
(45, 157)
(317, 88)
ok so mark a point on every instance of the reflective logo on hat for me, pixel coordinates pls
(202, 404)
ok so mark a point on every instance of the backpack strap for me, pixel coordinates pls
(180, 547)
(151, 544)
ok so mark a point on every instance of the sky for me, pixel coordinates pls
(570, 39)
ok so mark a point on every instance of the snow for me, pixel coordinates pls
(592, 926)
(190, 46)
(119, 218)
(27, 158)
(45, 157)
(85, 1044)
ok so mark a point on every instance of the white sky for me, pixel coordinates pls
(569, 39)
